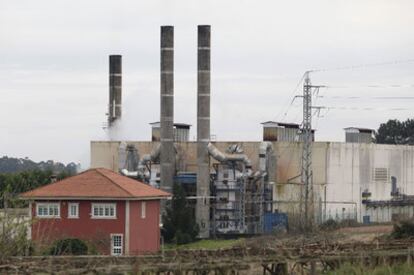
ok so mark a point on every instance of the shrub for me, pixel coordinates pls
(68, 247)
(13, 237)
(183, 238)
(405, 229)
(329, 225)
(348, 223)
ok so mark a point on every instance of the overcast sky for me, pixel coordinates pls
(54, 67)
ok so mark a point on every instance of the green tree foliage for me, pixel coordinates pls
(11, 185)
(14, 165)
(179, 220)
(396, 132)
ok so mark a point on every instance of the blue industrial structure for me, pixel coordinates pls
(275, 222)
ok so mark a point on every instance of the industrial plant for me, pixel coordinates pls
(258, 187)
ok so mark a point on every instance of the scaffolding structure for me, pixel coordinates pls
(239, 200)
(255, 199)
(229, 193)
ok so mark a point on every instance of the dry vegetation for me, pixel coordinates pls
(358, 250)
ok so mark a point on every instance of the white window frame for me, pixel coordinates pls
(143, 209)
(47, 205)
(103, 206)
(77, 210)
(121, 247)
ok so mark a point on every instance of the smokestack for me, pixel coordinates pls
(115, 88)
(167, 158)
(203, 131)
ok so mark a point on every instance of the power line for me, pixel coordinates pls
(290, 99)
(365, 108)
(389, 86)
(361, 66)
(345, 108)
(367, 97)
(362, 108)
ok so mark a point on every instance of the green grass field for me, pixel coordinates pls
(401, 269)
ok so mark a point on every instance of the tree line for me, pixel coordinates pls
(13, 165)
(396, 132)
(13, 184)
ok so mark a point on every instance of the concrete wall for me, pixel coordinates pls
(341, 171)
(352, 168)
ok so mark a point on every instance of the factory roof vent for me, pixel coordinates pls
(181, 131)
(282, 131)
(280, 124)
(359, 135)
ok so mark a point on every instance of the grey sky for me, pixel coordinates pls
(54, 67)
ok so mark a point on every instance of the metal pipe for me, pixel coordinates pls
(265, 148)
(128, 173)
(167, 156)
(267, 161)
(115, 88)
(223, 157)
(153, 156)
(140, 172)
(203, 130)
(267, 167)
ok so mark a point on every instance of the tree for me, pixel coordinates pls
(396, 132)
(179, 221)
(11, 185)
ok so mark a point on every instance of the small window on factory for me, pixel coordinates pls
(73, 210)
(143, 209)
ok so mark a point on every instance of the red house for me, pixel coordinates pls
(116, 214)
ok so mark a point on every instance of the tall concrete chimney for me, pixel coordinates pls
(167, 158)
(115, 88)
(203, 131)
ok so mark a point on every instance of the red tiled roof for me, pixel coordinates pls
(96, 183)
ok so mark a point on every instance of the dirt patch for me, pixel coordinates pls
(371, 229)
(365, 234)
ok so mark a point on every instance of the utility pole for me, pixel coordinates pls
(307, 185)
(307, 196)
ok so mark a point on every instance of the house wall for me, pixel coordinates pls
(144, 232)
(96, 231)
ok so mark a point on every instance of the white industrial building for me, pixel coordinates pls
(351, 180)
(237, 185)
